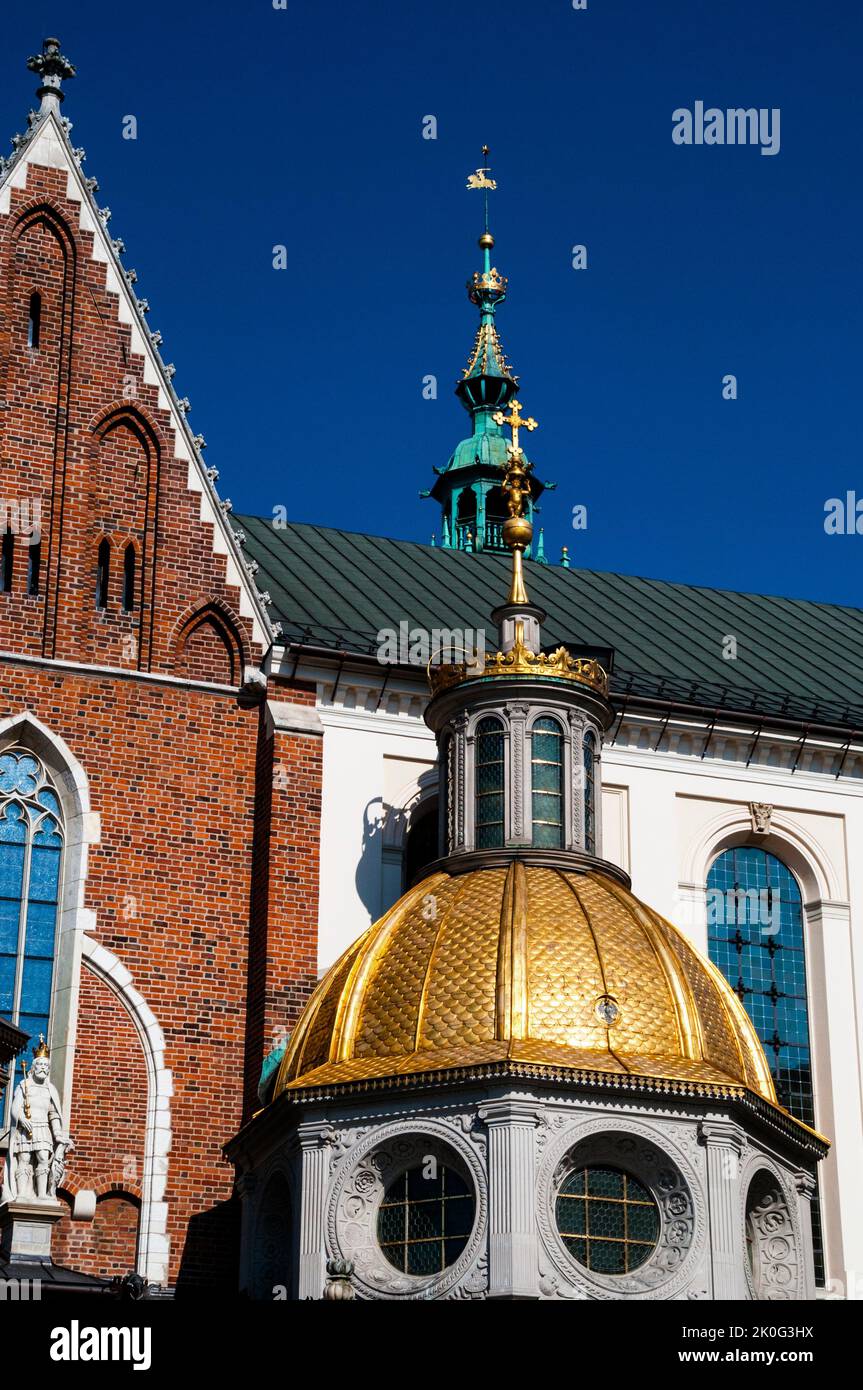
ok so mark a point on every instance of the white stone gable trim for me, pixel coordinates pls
(49, 147)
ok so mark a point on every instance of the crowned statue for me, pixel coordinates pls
(36, 1156)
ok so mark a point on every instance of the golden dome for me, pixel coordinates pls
(537, 966)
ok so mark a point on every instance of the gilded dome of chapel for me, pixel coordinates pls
(542, 966)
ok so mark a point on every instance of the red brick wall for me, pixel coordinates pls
(106, 1245)
(283, 959)
(205, 880)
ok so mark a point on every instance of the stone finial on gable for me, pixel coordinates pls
(53, 69)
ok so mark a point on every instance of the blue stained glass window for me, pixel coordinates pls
(31, 845)
(756, 938)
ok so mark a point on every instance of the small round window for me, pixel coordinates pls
(606, 1219)
(425, 1219)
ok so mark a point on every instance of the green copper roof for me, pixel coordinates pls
(795, 659)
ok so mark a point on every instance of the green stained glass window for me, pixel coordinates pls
(425, 1219)
(489, 782)
(589, 755)
(607, 1220)
(546, 760)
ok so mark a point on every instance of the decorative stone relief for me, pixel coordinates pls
(762, 815)
(375, 1162)
(775, 1271)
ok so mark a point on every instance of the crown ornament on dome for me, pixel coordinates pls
(487, 284)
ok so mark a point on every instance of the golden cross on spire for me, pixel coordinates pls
(516, 423)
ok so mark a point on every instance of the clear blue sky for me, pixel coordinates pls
(302, 126)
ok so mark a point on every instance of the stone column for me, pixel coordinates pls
(805, 1185)
(512, 1247)
(724, 1145)
(315, 1171)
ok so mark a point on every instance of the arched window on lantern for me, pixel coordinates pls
(546, 766)
(755, 935)
(589, 764)
(31, 852)
(489, 784)
(103, 573)
(34, 320)
(129, 578)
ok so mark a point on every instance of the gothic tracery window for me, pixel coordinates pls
(31, 848)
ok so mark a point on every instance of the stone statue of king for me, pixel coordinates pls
(36, 1156)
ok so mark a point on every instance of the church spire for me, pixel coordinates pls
(470, 489)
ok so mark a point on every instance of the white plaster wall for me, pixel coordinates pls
(358, 773)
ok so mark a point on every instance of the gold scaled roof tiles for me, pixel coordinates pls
(541, 966)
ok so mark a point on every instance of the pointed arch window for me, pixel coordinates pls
(31, 853)
(103, 573)
(489, 784)
(34, 320)
(546, 764)
(129, 578)
(34, 566)
(589, 758)
(755, 936)
(7, 561)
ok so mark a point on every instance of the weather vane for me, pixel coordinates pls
(481, 179)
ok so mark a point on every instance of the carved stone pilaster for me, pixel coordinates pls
(806, 1187)
(459, 764)
(314, 1138)
(724, 1145)
(519, 764)
(511, 1126)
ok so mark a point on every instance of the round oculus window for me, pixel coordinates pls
(425, 1219)
(607, 1220)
